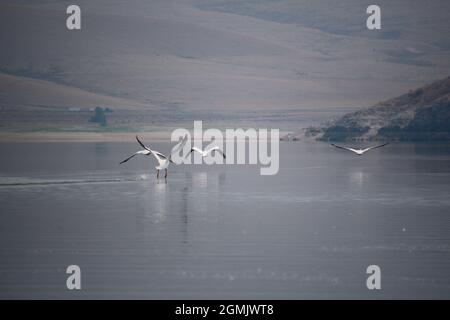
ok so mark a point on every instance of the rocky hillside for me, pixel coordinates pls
(419, 115)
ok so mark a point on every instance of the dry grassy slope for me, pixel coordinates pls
(181, 53)
(399, 111)
(26, 92)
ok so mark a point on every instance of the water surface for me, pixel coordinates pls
(224, 231)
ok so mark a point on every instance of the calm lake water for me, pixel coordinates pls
(224, 231)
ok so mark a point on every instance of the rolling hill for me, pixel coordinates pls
(419, 115)
(229, 55)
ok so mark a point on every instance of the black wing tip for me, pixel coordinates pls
(126, 160)
(140, 142)
(335, 145)
(382, 145)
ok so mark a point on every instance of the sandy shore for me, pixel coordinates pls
(159, 136)
(81, 136)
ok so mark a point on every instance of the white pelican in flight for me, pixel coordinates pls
(360, 152)
(204, 153)
(163, 161)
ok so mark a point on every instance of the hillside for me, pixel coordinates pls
(23, 92)
(419, 115)
(229, 55)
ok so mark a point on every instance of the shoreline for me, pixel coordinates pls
(158, 136)
(6, 137)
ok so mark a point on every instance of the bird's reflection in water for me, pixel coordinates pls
(155, 205)
(222, 178)
(200, 191)
(184, 214)
(160, 200)
(168, 209)
(358, 177)
(164, 213)
(207, 196)
(200, 180)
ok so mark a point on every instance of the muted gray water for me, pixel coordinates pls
(224, 231)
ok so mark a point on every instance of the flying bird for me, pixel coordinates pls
(163, 161)
(360, 152)
(204, 153)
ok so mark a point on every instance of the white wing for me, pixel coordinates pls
(221, 153)
(370, 148)
(216, 148)
(196, 150)
(212, 149)
(158, 155)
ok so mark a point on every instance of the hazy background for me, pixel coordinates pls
(154, 61)
(219, 231)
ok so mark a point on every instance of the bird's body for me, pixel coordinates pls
(359, 152)
(205, 152)
(163, 161)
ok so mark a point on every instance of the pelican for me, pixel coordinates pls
(204, 153)
(360, 152)
(163, 161)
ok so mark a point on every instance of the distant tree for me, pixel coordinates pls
(99, 116)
